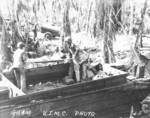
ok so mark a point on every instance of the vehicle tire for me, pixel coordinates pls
(48, 35)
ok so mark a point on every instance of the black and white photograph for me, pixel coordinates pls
(74, 58)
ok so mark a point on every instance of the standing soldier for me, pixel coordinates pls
(79, 58)
(19, 58)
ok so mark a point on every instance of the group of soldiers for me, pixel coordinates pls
(79, 61)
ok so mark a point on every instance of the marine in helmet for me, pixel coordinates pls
(79, 57)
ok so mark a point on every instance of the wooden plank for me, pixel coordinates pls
(69, 90)
(48, 69)
(95, 102)
(4, 92)
(91, 95)
(116, 112)
(64, 91)
(47, 72)
(113, 81)
(50, 61)
(14, 91)
(85, 97)
(83, 104)
(52, 94)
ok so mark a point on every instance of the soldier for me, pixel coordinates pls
(35, 31)
(18, 66)
(79, 57)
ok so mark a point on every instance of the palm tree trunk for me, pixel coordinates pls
(66, 30)
(139, 61)
(109, 34)
(89, 14)
(5, 53)
(138, 41)
(105, 41)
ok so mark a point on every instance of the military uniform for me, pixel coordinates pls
(18, 67)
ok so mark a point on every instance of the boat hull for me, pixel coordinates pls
(51, 72)
(91, 104)
(91, 99)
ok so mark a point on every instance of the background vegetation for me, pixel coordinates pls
(101, 19)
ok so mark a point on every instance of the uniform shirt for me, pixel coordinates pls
(19, 58)
(79, 55)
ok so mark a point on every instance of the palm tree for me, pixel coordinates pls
(66, 22)
(66, 30)
(105, 23)
(5, 56)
